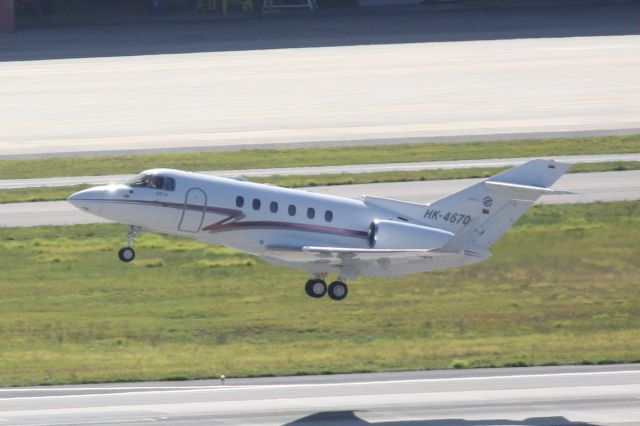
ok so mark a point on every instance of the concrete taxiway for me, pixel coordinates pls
(541, 396)
(324, 95)
(588, 187)
(300, 171)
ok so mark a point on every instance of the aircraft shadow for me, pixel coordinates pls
(349, 418)
(345, 28)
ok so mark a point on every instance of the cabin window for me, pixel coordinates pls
(239, 201)
(328, 215)
(292, 210)
(311, 212)
(273, 207)
(256, 204)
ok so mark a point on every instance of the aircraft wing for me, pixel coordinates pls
(366, 254)
(356, 253)
(351, 262)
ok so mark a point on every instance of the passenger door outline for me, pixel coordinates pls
(195, 206)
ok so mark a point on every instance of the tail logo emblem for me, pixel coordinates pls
(487, 201)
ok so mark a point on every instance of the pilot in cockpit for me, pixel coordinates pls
(148, 180)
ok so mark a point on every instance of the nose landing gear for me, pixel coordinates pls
(316, 288)
(127, 254)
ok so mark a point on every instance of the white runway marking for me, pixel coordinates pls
(171, 389)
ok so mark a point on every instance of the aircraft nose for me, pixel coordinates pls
(89, 200)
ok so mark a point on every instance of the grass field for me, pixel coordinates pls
(89, 166)
(62, 192)
(562, 287)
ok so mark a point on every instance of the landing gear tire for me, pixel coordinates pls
(316, 288)
(338, 290)
(126, 254)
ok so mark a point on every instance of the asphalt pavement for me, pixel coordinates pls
(341, 95)
(540, 396)
(435, 21)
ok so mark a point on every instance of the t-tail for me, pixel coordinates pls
(480, 214)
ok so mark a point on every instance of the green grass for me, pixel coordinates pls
(562, 287)
(73, 166)
(60, 193)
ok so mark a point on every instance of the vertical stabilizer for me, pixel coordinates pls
(492, 206)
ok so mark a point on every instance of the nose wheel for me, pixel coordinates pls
(316, 288)
(127, 254)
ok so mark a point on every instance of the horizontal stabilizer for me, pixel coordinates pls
(538, 190)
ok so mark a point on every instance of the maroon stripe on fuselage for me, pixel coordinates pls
(267, 224)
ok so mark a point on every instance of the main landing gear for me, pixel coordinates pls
(127, 254)
(316, 288)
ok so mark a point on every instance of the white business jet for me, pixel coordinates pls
(324, 234)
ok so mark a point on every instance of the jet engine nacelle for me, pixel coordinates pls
(388, 234)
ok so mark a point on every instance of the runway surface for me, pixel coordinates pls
(589, 187)
(353, 168)
(540, 396)
(323, 95)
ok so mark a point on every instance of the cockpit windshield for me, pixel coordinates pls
(150, 180)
